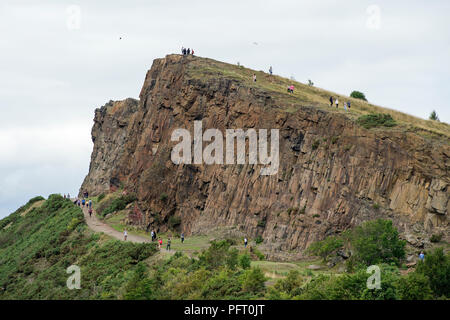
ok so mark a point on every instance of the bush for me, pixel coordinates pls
(101, 197)
(118, 204)
(434, 116)
(262, 223)
(415, 286)
(436, 266)
(377, 241)
(373, 120)
(259, 240)
(436, 238)
(253, 281)
(326, 247)
(245, 261)
(358, 95)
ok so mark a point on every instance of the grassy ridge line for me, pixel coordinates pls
(305, 95)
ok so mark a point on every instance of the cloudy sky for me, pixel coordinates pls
(59, 60)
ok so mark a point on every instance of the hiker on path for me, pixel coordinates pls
(348, 104)
(68, 196)
(254, 77)
(78, 203)
(345, 106)
(337, 103)
(188, 51)
(182, 50)
(83, 202)
(270, 70)
(290, 89)
(245, 242)
(90, 212)
(331, 101)
(192, 52)
(168, 244)
(160, 243)
(153, 235)
(422, 256)
(182, 238)
(90, 204)
(125, 234)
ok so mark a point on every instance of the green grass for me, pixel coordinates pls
(205, 70)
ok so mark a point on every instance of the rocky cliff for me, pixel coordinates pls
(332, 174)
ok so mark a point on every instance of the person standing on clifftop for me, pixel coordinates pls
(270, 70)
(192, 52)
(331, 101)
(188, 51)
(337, 102)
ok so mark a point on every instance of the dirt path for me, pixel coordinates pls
(96, 225)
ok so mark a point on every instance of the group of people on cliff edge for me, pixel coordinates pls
(187, 51)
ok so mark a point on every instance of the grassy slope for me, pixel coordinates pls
(37, 248)
(305, 95)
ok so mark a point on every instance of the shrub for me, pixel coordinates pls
(326, 247)
(376, 206)
(261, 223)
(334, 139)
(377, 241)
(436, 238)
(253, 281)
(245, 261)
(259, 239)
(373, 120)
(358, 95)
(101, 197)
(434, 116)
(415, 286)
(118, 204)
(436, 266)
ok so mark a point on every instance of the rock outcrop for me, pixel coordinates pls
(333, 174)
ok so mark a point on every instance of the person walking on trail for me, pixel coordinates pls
(422, 256)
(331, 101)
(90, 212)
(291, 89)
(348, 104)
(182, 238)
(168, 244)
(337, 102)
(192, 52)
(345, 106)
(245, 242)
(254, 77)
(83, 202)
(270, 70)
(125, 235)
(188, 51)
(160, 243)
(90, 204)
(153, 235)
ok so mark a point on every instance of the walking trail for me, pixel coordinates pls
(96, 225)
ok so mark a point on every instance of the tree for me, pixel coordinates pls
(377, 241)
(434, 116)
(436, 267)
(358, 95)
(414, 286)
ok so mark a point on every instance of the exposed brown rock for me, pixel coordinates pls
(317, 192)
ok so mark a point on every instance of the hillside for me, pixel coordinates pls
(334, 173)
(42, 239)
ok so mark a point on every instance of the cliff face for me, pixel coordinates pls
(332, 173)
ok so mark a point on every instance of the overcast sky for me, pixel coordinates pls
(60, 60)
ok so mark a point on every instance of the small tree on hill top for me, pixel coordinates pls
(358, 95)
(434, 116)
